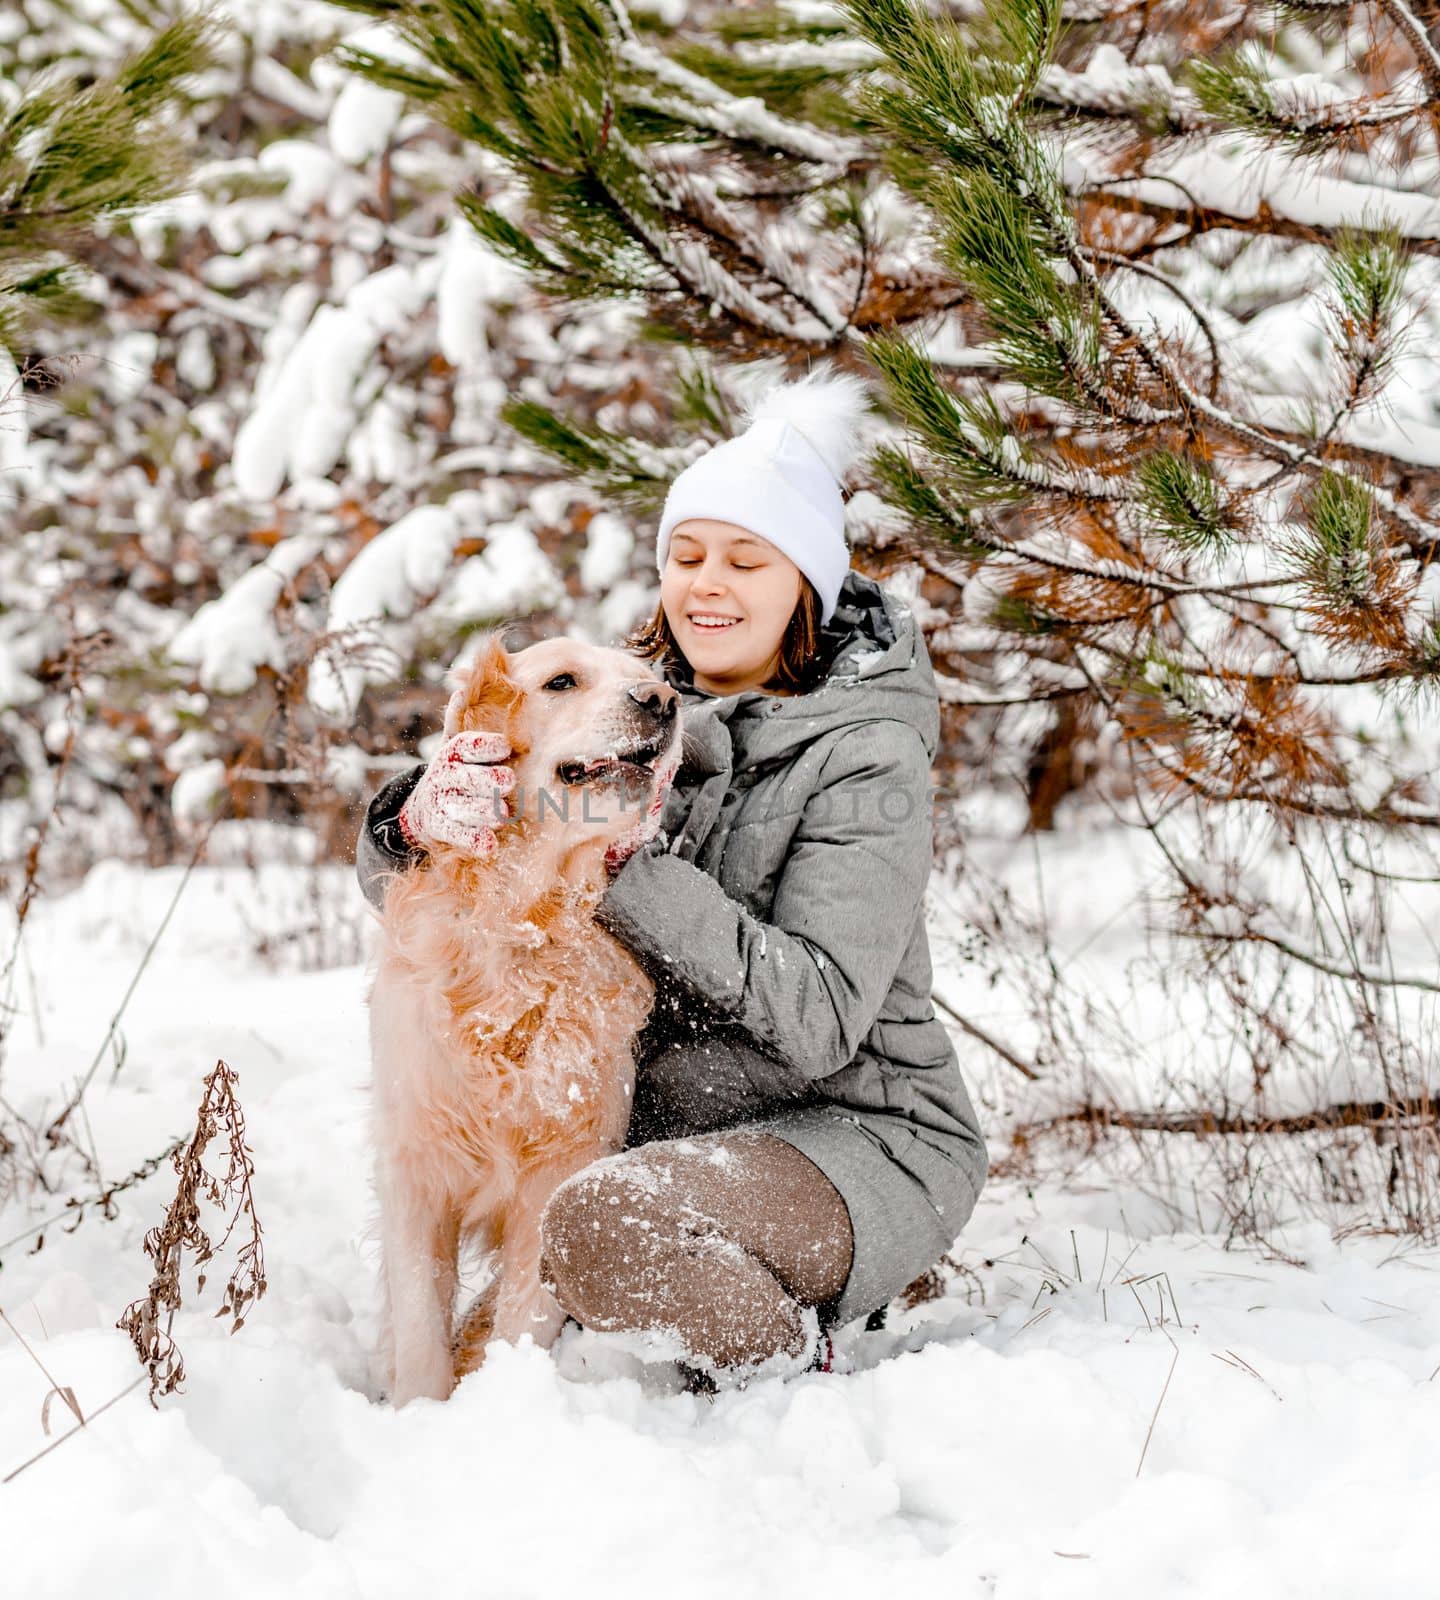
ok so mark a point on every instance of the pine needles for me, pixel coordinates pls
(71, 160)
(1184, 501)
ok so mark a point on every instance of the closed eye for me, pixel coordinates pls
(561, 680)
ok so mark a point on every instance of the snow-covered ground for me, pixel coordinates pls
(987, 1444)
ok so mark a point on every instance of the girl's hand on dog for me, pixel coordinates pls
(459, 798)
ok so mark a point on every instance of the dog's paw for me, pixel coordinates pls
(439, 1385)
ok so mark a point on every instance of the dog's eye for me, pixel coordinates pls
(561, 680)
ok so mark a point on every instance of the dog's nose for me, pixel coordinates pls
(659, 700)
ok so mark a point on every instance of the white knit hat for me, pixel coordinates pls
(781, 479)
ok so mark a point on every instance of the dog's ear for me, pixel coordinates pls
(484, 697)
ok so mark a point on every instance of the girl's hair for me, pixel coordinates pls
(801, 664)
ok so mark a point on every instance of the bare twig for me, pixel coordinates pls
(1420, 1109)
(977, 1032)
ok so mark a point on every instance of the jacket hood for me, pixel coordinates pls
(879, 671)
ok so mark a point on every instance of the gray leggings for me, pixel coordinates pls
(722, 1240)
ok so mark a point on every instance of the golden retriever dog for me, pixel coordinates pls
(502, 1016)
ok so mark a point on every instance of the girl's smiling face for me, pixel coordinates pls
(728, 596)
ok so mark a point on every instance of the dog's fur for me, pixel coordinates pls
(502, 1016)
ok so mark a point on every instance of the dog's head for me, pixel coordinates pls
(594, 734)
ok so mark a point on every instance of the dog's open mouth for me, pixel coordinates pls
(636, 763)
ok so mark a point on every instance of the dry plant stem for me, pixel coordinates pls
(56, 1443)
(30, 887)
(1149, 1432)
(103, 1198)
(182, 1230)
(976, 1032)
(54, 1130)
(66, 1393)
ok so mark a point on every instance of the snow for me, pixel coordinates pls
(1110, 82)
(312, 176)
(609, 545)
(307, 404)
(510, 577)
(628, 603)
(362, 120)
(746, 116)
(397, 571)
(132, 358)
(271, 78)
(194, 796)
(980, 1447)
(406, 570)
(229, 638)
(195, 360)
(471, 278)
(396, 568)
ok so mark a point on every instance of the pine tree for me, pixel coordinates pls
(716, 177)
(1126, 493)
(76, 158)
(1216, 546)
(1101, 469)
(1200, 553)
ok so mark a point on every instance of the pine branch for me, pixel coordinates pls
(586, 113)
(1242, 430)
(1240, 92)
(1416, 35)
(1117, 259)
(615, 466)
(981, 454)
(72, 161)
(1185, 503)
(738, 118)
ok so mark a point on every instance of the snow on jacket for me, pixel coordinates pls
(780, 912)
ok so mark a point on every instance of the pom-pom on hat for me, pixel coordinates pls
(781, 479)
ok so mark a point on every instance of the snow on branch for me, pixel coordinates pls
(739, 117)
(229, 639)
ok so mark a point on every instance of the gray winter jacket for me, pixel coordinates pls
(780, 912)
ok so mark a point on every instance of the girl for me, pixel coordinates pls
(802, 1145)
